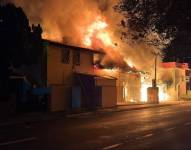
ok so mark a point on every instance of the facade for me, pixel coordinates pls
(174, 76)
(128, 84)
(73, 82)
(129, 88)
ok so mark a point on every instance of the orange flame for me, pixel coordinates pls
(97, 35)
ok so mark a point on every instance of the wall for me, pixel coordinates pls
(58, 72)
(128, 88)
(60, 98)
(174, 78)
(86, 63)
(60, 75)
(109, 96)
(108, 91)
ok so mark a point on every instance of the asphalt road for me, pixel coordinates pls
(164, 128)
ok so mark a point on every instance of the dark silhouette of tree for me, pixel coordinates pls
(19, 44)
(168, 18)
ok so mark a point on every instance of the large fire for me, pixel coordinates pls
(145, 84)
(97, 35)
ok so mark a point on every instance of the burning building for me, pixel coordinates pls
(176, 79)
(73, 81)
(77, 82)
(98, 56)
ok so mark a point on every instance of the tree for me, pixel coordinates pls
(169, 19)
(19, 44)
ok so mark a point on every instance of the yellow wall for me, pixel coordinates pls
(132, 84)
(109, 96)
(60, 97)
(109, 91)
(178, 86)
(60, 75)
(86, 63)
(58, 72)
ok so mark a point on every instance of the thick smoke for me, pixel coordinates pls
(66, 21)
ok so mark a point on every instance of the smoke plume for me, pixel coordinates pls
(66, 21)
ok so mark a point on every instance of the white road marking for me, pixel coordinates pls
(18, 141)
(170, 129)
(112, 146)
(148, 135)
(187, 124)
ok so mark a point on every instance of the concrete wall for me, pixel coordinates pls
(58, 72)
(109, 96)
(60, 98)
(60, 75)
(128, 88)
(86, 63)
(109, 92)
(174, 78)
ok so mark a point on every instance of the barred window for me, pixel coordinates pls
(66, 56)
(76, 58)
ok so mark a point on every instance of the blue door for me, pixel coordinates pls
(76, 97)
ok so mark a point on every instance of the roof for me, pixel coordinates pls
(58, 44)
(96, 76)
(174, 64)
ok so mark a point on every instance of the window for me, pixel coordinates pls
(76, 58)
(66, 56)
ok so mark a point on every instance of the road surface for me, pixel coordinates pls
(162, 128)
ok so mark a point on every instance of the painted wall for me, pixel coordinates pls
(174, 78)
(60, 98)
(60, 75)
(86, 63)
(108, 91)
(128, 88)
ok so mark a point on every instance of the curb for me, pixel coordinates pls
(105, 111)
(102, 111)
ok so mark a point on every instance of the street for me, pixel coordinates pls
(161, 128)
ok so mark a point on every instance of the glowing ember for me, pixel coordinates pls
(97, 32)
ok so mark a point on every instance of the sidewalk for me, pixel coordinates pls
(46, 116)
(130, 107)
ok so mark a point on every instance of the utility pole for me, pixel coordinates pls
(156, 54)
(153, 92)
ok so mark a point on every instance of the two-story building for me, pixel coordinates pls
(73, 82)
(173, 75)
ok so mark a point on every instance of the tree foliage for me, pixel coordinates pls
(19, 43)
(166, 18)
